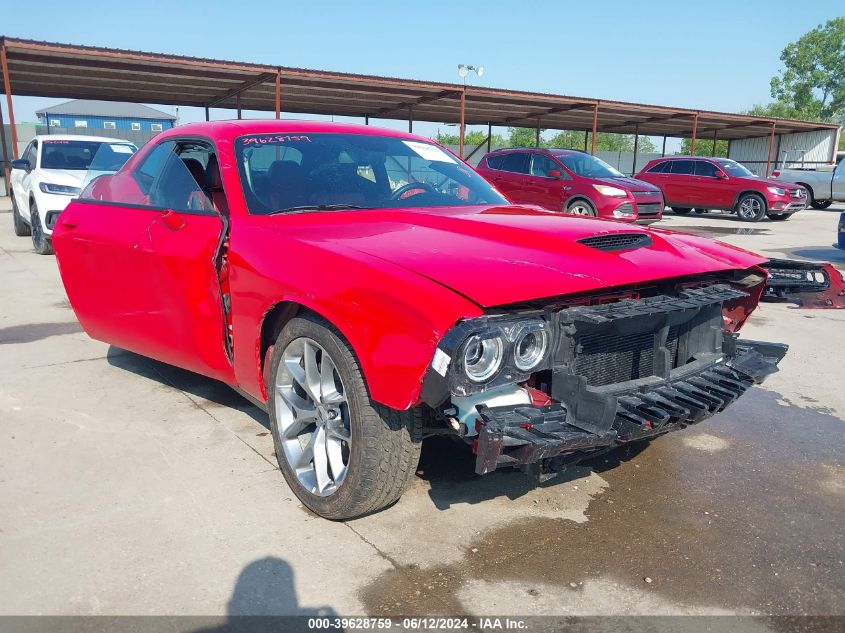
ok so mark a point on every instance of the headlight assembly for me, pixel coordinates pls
(49, 187)
(485, 352)
(778, 191)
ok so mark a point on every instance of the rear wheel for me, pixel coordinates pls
(21, 227)
(751, 207)
(821, 204)
(40, 242)
(779, 216)
(680, 210)
(341, 453)
(581, 207)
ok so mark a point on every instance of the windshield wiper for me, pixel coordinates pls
(318, 207)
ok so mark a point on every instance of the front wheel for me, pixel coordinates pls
(21, 227)
(751, 207)
(40, 242)
(821, 204)
(341, 453)
(582, 208)
(779, 216)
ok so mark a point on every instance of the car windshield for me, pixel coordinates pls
(288, 173)
(735, 169)
(588, 166)
(74, 155)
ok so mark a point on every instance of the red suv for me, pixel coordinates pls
(573, 182)
(719, 183)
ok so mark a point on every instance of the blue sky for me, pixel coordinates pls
(708, 54)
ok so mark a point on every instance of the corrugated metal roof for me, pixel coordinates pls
(117, 109)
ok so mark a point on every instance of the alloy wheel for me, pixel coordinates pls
(750, 208)
(580, 208)
(313, 417)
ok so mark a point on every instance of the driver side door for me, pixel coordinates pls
(137, 256)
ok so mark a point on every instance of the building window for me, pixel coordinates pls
(136, 127)
(55, 123)
(155, 127)
(109, 125)
(80, 124)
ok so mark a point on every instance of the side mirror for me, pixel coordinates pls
(721, 175)
(21, 163)
(553, 173)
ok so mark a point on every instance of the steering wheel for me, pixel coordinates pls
(401, 191)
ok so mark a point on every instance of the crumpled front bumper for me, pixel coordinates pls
(530, 435)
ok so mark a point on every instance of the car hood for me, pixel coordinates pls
(70, 177)
(768, 182)
(501, 255)
(631, 184)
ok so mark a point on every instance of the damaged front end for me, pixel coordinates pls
(574, 380)
(807, 284)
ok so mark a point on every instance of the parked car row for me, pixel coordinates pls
(578, 183)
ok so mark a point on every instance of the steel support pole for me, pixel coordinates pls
(207, 118)
(694, 132)
(636, 147)
(279, 94)
(7, 170)
(489, 135)
(586, 137)
(366, 119)
(537, 134)
(771, 147)
(238, 105)
(663, 153)
(463, 122)
(715, 137)
(595, 128)
(410, 119)
(7, 88)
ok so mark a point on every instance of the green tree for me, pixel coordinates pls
(812, 82)
(471, 139)
(704, 147)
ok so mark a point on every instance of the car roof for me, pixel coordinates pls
(80, 137)
(550, 150)
(231, 129)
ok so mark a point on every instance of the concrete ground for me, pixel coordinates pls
(131, 487)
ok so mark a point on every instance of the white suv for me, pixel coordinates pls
(52, 172)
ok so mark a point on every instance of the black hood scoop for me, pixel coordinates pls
(610, 242)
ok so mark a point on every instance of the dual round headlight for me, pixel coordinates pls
(484, 353)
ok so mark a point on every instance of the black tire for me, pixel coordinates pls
(820, 204)
(701, 211)
(384, 445)
(751, 207)
(581, 207)
(21, 227)
(777, 217)
(40, 242)
(680, 210)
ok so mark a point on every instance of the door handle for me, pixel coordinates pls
(68, 223)
(172, 220)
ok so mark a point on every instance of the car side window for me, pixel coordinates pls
(541, 165)
(682, 167)
(31, 154)
(516, 162)
(659, 168)
(703, 168)
(495, 162)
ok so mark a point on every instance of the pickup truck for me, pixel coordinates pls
(825, 185)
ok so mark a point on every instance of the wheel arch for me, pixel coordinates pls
(756, 192)
(579, 196)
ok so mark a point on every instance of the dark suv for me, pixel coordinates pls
(572, 182)
(720, 183)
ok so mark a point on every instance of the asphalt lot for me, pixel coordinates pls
(131, 487)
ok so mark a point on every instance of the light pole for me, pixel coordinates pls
(463, 71)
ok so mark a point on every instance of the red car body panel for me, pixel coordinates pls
(555, 194)
(694, 191)
(392, 281)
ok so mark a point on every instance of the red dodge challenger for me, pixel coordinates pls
(368, 289)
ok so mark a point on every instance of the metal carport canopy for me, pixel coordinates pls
(46, 69)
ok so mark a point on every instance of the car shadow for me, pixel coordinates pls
(264, 599)
(449, 469)
(208, 389)
(818, 254)
(31, 332)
